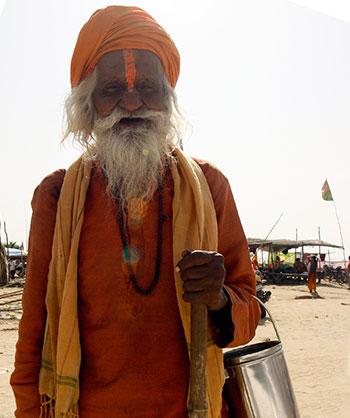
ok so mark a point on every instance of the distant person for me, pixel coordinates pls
(254, 260)
(311, 280)
(277, 265)
(299, 266)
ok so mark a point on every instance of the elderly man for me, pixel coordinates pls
(125, 240)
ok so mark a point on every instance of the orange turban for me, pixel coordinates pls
(122, 27)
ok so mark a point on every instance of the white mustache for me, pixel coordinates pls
(117, 115)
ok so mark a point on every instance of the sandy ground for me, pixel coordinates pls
(315, 335)
(316, 341)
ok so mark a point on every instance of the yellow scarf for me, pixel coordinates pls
(194, 226)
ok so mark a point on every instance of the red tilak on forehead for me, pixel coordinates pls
(130, 69)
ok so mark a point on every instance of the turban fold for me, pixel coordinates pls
(122, 27)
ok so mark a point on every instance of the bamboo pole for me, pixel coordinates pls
(341, 233)
(319, 248)
(198, 405)
(302, 253)
(273, 227)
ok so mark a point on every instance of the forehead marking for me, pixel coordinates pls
(130, 69)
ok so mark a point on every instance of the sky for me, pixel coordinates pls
(264, 85)
(336, 8)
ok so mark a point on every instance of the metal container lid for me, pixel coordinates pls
(251, 352)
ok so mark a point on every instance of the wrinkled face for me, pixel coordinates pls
(133, 132)
(131, 80)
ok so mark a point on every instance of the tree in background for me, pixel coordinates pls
(13, 244)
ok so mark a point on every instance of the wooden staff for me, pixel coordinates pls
(198, 405)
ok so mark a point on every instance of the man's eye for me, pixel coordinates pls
(112, 90)
(147, 88)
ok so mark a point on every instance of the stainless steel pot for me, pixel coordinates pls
(258, 383)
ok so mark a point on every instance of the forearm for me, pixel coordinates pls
(245, 313)
(222, 324)
(236, 322)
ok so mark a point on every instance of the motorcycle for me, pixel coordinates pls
(337, 274)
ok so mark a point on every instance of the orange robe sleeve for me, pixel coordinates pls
(240, 280)
(25, 378)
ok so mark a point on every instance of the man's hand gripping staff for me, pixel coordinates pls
(203, 274)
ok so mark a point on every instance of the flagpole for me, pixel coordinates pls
(340, 231)
(327, 195)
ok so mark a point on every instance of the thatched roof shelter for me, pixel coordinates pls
(15, 253)
(287, 244)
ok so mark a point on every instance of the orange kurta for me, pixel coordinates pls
(134, 356)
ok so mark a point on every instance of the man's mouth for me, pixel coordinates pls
(131, 122)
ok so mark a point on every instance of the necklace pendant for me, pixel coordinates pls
(131, 255)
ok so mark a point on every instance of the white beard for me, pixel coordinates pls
(133, 158)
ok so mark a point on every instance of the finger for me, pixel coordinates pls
(211, 271)
(197, 258)
(203, 285)
(183, 254)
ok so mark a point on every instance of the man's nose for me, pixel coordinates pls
(131, 101)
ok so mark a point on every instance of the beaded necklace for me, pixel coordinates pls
(125, 237)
